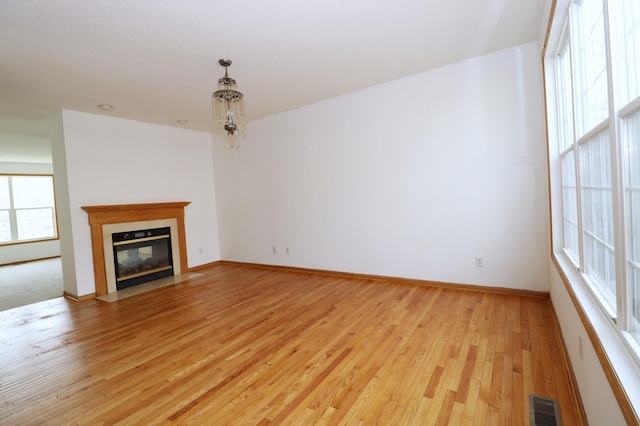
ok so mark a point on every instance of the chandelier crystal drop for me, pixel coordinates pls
(228, 108)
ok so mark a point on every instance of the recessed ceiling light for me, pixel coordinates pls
(182, 121)
(105, 107)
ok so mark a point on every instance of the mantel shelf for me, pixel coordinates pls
(129, 207)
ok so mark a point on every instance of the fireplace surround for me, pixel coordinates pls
(106, 220)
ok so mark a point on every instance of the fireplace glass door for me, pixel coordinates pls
(142, 256)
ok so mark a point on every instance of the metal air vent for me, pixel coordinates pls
(544, 411)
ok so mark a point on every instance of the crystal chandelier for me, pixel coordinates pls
(228, 107)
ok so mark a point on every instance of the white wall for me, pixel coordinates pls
(56, 129)
(598, 399)
(413, 178)
(116, 161)
(26, 168)
(23, 252)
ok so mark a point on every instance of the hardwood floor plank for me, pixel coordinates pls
(506, 391)
(484, 396)
(519, 402)
(430, 392)
(455, 419)
(471, 403)
(243, 345)
(444, 414)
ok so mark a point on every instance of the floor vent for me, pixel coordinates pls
(544, 411)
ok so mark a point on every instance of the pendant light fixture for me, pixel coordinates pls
(228, 107)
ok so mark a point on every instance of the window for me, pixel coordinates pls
(570, 208)
(594, 105)
(27, 208)
(626, 45)
(588, 39)
(631, 136)
(597, 205)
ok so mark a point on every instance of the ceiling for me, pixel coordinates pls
(157, 60)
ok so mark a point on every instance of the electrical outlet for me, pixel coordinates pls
(580, 345)
(273, 249)
(287, 250)
(479, 262)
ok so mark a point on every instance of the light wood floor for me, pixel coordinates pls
(245, 345)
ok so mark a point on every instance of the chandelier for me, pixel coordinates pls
(228, 107)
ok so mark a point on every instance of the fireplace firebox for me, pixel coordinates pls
(142, 256)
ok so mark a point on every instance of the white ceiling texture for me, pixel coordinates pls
(157, 60)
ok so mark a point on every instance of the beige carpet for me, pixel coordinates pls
(30, 282)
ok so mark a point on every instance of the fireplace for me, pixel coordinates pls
(142, 256)
(111, 223)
